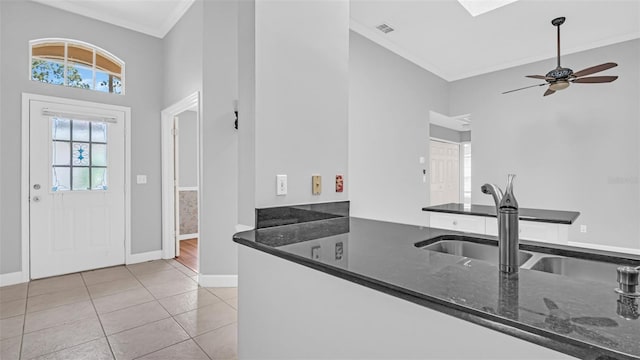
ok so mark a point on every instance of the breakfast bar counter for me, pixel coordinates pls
(576, 317)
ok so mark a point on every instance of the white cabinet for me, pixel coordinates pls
(464, 223)
(529, 230)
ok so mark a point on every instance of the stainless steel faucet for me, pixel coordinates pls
(508, 233)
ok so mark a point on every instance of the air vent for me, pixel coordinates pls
(385, 28)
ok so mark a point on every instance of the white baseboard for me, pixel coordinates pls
(13, 278)
(218, 280)
(145, 256)
(188, 236)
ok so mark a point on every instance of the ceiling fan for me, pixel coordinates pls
(560, 78)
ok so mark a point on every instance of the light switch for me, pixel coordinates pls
(141, 179)
(281, 185)
(316, 184)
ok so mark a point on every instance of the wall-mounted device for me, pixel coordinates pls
(339, 183)
(316, 184)
(281, 185)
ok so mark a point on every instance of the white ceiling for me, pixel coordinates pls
(151, 17)
(438, 35)
(442, 37)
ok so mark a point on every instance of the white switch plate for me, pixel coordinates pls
(281, 185)
(422, 160)
(583, 228)
(141, 179)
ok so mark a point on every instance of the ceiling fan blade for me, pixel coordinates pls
(595, 79)
(595, 69)
(541, 77)
(526, 87)
(548, 92)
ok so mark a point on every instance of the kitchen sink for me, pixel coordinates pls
(484, 252)
(577, 268)
(570, 263)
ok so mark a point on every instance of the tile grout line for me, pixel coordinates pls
(24, 321)
(98, 316)
(190, 337)
(174, 266)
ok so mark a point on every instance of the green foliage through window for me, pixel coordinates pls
(76, 64)
(51, 72)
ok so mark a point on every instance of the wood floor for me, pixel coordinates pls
(189, 254)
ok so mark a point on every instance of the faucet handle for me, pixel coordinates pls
(509, 200)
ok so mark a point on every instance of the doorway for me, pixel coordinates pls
(181, 163)
(75, 166)
(445, 172)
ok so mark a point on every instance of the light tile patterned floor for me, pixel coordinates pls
(151, 310)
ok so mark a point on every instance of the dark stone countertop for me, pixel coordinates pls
(540, 215)
(576, 317)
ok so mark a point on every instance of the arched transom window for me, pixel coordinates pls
(76, 64)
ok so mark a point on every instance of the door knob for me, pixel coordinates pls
(36, 186)
(36, 198)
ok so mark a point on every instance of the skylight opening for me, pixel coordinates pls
(479, 7)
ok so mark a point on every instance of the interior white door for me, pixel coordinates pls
(445, 172)
(77, 183)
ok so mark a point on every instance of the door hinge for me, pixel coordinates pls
(174, 132)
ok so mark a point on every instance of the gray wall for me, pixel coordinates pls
(389, 103)
(218, 254)
(246, 113)
(443, 133)
(575, 150)
(301, 99)
(192, 44)
(182, 56)
(22, 21)
(188, 149)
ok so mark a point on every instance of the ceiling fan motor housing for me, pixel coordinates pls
(559, 74)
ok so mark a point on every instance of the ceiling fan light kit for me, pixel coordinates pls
(560, 78)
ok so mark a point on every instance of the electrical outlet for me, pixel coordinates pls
(583, 228)
(315, 252)
(316, 184)
(281, 185)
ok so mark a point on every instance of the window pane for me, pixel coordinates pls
(47, 71)
(60, 179)
(61, 153)
(61, 129)
(80, 130)
(80, 178)
(102, 81)
(99, 178)
(117, 85)
(79, 54)
(80, 154)
(98, 132)
(98, 154)
(79, 76)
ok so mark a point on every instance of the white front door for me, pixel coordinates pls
(445, 172)
(76, 187)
